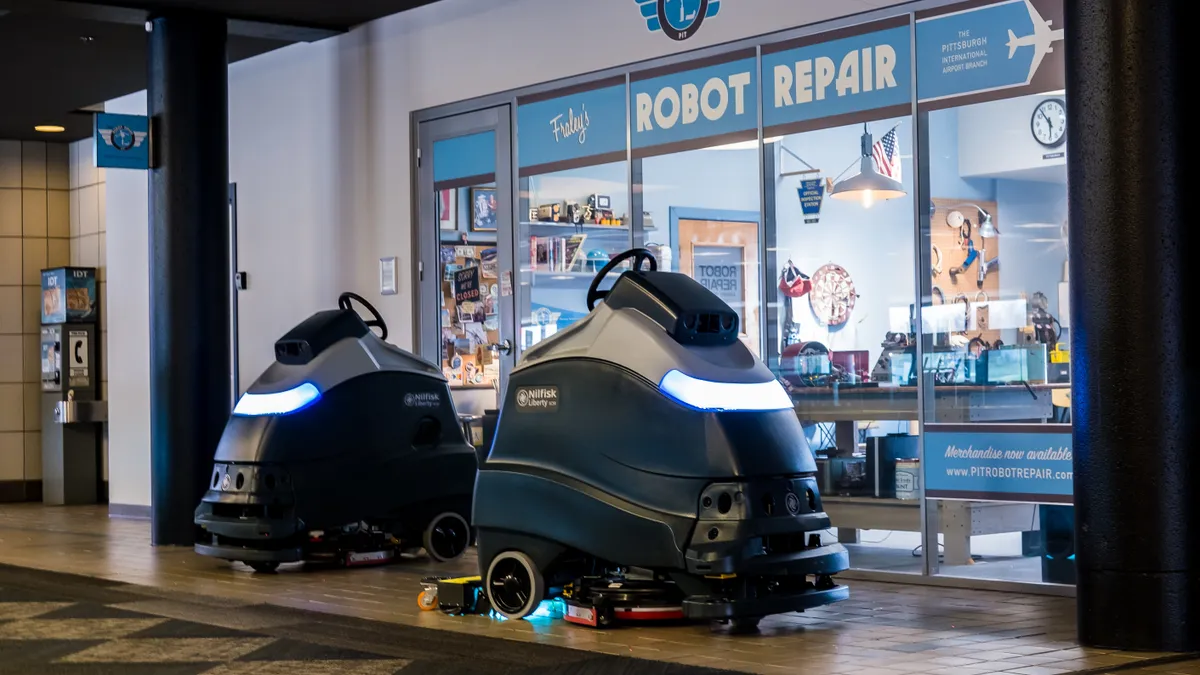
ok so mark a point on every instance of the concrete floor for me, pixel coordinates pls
(884, 629)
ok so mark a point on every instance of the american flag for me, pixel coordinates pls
(887, 156)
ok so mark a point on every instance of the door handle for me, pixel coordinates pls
(502, 346)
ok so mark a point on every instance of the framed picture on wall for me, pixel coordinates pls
(483, 209)
(448, 209)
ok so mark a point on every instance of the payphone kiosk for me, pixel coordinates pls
(72, 410)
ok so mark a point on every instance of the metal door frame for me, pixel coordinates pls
(235, 384)
(427, 236)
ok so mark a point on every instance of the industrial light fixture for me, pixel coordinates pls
(869, 186)
(987, 230)
(49, 128)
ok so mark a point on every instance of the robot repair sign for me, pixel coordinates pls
(537, 399)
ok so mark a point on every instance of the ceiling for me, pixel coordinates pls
(60, 57)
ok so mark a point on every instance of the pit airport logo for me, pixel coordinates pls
(677, 19)
(537, 399)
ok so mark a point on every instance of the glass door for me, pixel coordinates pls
(465, 265)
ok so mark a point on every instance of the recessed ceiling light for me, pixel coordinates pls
(49, 128)
(86, 38)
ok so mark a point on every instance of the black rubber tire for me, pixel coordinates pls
(263, 567)
(513, 573)
(447, 536)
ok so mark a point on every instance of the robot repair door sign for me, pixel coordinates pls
(77, 355)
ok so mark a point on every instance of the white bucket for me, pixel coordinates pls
(908, 479)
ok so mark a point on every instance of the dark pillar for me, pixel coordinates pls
(1133, 296)
(189, 265)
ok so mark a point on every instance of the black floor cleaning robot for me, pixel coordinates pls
(647, 465)
(345, 450)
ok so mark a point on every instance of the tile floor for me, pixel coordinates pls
(884, 629)
(60, 624)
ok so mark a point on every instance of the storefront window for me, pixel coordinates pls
(888, 219)
(701, 217)
(573, 207)
(696, 179)
(840, 255)
(996, 331)
(577, 220)
(845, 277)
(994, 328)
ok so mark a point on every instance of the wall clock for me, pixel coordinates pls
(1049, 122)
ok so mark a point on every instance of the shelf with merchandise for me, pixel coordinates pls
(542, 279)
(543, 227)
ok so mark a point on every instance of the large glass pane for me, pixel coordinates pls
(995, 333)
(573, 221)
(468, 269)
(573, 208)
(842, 264)
(701, 217)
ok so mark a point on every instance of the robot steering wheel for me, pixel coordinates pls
(639, 255)
(376, 319)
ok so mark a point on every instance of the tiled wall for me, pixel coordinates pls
(35, 233)
(88, 244)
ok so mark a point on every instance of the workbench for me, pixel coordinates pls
(847, 405)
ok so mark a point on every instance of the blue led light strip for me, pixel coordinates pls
(725, 396)
(277, 403)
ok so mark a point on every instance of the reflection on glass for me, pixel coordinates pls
(470, 285)
(572, 222)
(701, 217)
(995, 331)
(841, 253)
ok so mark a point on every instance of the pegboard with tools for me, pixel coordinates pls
(965, 263)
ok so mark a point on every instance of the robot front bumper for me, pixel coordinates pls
(758, 572)
(757, 550)
(766, 527)
(248, 530)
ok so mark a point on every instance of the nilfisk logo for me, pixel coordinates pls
(537, 398)
(677, 19)
(422, 400)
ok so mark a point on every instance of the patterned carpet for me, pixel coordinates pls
(56, 624)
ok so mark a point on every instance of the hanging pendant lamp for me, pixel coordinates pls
(869, 186)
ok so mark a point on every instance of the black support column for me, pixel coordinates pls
(189, 264)
(1134, 269)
